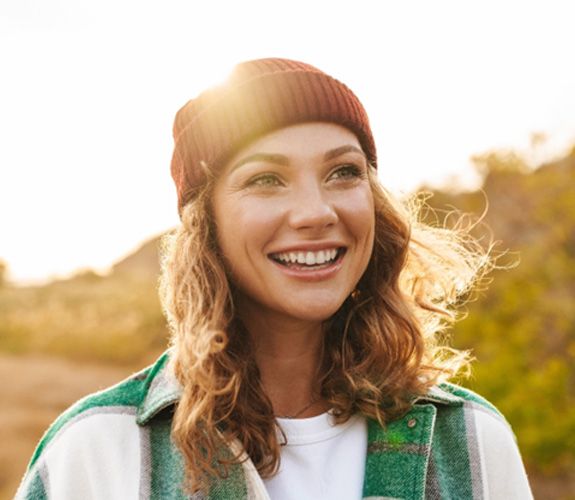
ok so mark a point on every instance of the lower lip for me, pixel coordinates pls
(304, 274)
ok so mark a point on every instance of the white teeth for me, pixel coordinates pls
(310, 259)
(307, 258)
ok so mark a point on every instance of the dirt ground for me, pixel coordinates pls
(34, 391)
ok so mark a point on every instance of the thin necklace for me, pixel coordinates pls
(298, 413)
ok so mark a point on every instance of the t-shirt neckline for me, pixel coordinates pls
(302, 431)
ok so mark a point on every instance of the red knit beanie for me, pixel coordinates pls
(258, 97)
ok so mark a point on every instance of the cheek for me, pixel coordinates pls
(226, 230)
(362, 227)
(245, 227)
(360, 215)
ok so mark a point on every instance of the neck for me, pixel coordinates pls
(288, 354)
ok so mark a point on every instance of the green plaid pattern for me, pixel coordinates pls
(430, 453)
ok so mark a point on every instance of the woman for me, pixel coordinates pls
(305, 310)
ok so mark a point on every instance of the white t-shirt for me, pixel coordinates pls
(320, 460)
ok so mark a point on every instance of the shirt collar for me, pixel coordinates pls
(441, 394)
(161, 390)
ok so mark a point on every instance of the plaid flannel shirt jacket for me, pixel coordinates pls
(430, 453)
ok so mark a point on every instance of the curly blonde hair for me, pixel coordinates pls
(383, 348)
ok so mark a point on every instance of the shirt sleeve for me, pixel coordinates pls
(96, 456)
(32, 487)
(503, 469)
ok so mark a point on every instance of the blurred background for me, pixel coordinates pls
(472, 103)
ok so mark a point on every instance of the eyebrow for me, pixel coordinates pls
(284, 160)
(264, 157)
(334, 153)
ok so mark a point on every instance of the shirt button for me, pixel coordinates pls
(411, 423)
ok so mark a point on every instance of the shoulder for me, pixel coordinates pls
(470, 399)
(453, 395)
(466, 419)
(123, 398)
(465, 416)
(101, 431)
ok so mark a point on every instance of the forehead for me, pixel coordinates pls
(302, 139)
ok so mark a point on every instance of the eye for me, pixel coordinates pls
(347, 172)
(264, 180)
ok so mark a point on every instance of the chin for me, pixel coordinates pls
(316, 313)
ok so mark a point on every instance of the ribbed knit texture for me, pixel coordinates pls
(258, 97)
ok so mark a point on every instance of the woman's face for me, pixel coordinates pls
(295, 220)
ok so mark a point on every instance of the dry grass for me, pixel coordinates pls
(106, 319)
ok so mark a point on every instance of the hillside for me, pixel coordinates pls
(113, 318)
(143, 263)
(522, 330)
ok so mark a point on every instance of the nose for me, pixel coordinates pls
(312, 209)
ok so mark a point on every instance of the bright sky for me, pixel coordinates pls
(88, 91)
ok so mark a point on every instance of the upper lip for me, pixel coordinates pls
(309, 246)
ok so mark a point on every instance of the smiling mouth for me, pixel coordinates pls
(308, 259)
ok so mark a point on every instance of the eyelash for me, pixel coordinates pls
(264, 181)
(349, 171)
(354, 170)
